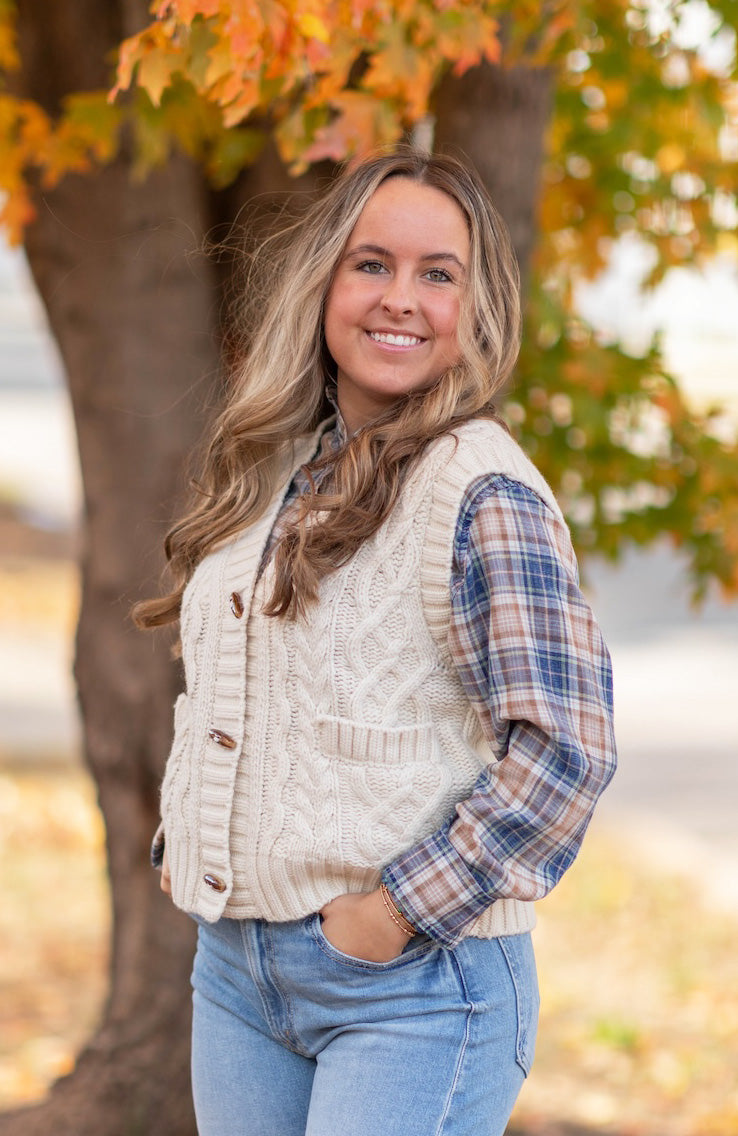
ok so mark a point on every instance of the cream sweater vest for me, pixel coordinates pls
(310, 753)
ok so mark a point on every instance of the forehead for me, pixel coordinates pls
(412, 216)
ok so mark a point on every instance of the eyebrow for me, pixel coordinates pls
(378, 250)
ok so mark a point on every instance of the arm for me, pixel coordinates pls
(533, 664)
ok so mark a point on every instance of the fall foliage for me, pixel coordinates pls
(120, 157)
(643, 140)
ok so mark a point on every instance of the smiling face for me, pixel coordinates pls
(392, 312)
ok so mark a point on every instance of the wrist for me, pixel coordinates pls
(393, 912)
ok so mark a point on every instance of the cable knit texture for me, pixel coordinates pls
(310, 753)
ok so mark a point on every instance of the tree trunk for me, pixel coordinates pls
(497, 117)
(134, 306)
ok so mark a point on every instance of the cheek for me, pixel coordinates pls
(341, 312)
(331, 324)
(447, 323)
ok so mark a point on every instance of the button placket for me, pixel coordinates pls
(221, 738)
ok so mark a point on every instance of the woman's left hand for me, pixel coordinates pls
(359, 925)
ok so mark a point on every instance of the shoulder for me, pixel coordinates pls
(498, 492)
(483, 448)
(498, 514)
(484, 435)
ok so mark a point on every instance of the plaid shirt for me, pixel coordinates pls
(533, 664)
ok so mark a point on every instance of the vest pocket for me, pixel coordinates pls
(388, 783)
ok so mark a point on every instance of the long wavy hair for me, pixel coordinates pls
(278, 390)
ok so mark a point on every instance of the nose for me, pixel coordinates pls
(399, 298)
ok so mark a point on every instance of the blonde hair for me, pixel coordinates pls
(278, 390)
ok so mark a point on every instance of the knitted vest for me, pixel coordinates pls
(309, 753)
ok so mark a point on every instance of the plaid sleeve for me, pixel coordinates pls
(533, 664)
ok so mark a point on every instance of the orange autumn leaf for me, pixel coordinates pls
(640, 143)
(360, 123)
(9, 59)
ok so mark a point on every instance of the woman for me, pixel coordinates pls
(398, 712)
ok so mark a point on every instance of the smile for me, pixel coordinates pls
(395, 340)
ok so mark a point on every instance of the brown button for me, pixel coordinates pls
(222, 739)
(214, 882)
(236, 604)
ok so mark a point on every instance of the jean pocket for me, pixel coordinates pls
(416, 949)
(518, 952)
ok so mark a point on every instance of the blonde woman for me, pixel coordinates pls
(398, 712)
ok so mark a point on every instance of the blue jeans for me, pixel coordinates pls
(291, 1037)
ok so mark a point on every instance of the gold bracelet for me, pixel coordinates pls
(393, 912)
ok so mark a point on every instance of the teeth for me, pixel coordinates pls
(395, 340)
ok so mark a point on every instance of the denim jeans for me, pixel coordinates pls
(291, 1037)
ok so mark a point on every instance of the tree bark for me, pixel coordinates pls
(134, 305)
(497, 117)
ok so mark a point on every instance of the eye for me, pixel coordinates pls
(439, 276)
(373, 267)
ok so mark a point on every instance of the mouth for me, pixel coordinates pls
(394, 339)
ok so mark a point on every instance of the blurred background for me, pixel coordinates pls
(652, 907)
(611, 145)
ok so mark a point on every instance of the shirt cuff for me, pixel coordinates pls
(436, 890)
(157, 847)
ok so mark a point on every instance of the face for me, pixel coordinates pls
(392, 313)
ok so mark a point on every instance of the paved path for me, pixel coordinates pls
(675, 795)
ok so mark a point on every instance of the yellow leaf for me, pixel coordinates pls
(128, 55)
(727, 244)
(220, 63)
(155, 72)
(670, 157)
(242, 106)
(16, 211)
(617, 92)
(312, 27)
(34, 128)
(9, 60)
